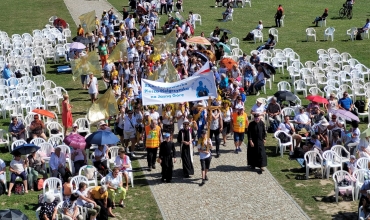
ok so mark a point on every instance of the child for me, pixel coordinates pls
(116, 89)
(67, 189)
(352, 164)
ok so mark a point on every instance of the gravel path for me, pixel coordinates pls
(79, 7)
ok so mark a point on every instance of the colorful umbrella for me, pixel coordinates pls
(198, 40)
(25, 149)
(60, 23)
(102, 138)
(77, 46)
(44, 112)
(285, 96)
(81, 39)
(141, 10)
(76, 141)
(228, 62)
(317, 98)
(226, 47)
(346, 115)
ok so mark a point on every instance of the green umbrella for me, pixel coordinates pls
(365, 133)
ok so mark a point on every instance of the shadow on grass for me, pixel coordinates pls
(336, 18)
(345, 216)
(31, 206)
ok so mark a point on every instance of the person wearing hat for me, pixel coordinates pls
(103, 126)
(92, 86)
(256, 154)
(100, 195)
(185, 138)
(129, 132)
(167, 156)
(36, 167)
(48, 208)
(204, 149)
(259, 109)
(152, 139)
(239, 122)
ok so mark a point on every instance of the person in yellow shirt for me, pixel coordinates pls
(239, 122)
(97, 25)
(152, 139)
(100, 195)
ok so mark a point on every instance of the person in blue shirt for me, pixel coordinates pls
(217, 75)
(7, 73)
(242, 94)
(224, 83)
(363, 29)
(363, 191)
(346, 103)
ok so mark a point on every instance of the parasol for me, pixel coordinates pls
(228, 62)
(12, 214)
(44, 112)
(60, 23)
(209, 54)
(200, 55)
(317, 98)
(285, 96)
(76, 141)
(346, 115)
(25, 149)
(77, 46)
(226, 47)
(82, 40)
(267, 66)
(102, 137)
(141, 10)
(198, 40)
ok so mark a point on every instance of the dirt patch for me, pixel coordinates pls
(300, 184)
(324, 182)
(308, 208)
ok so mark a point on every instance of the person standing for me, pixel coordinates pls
(167, 156)
(256, 154)
(66, 114)
(93, 87)
(129, 131)
(226, 113)
(239, 122)
(215, 127)
(204, 148)
(103, 52)
(185, 138)
(278, 15)
(152, 138)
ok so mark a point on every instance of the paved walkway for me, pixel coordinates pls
(232, 192)
(79, 7)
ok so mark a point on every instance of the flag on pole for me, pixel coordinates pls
(119, 51)
(87, 21)
(104, 107)
(85, 64)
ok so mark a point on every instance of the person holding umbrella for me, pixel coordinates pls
(36, 164)
(79, 158)
(18, 169)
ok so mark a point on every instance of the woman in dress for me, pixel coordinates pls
(49, 209)
(66, 114)
(226, 113)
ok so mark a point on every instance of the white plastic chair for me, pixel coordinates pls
(94, 180)
(57, 126)
(67, 151)
(300, 85)
(282, 21)
(282, 146)
(4, 138)
(16, 144)
(363, 163)
(329, 32)
(55, 140)
(76, 180)
(352, 33)
(359, 175)
(365, 34)
(83, 125)
(114, 153)
(332, 160)
(310, 159)
(51, 185)
(52, 101)
(234, 42)
(275, 33)
(339, 176)
(198, 18)
(37, 141)
(258, 35)
(322, 22)
(310, 32)
(277, 64)
(284, 86)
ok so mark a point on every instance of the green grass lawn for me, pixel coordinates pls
(299, 15)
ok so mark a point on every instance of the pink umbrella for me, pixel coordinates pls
(76, 141)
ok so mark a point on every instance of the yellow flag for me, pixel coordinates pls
(104, 107)
(166, 43)
(87, 21)
(86, 64)
(119, 51)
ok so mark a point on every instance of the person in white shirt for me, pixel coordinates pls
(204, 148)
(335, 125)
(259, 109)
(129, 131)
(353, 138)
(101, 158)
(57, 163)
(131, 53)
(2, 171)
(84, 200)
(148, 36)
(123, 162)
(103, 126)
(302, 120)
(130, 22)
(93, 87)
(18, 169)
(288, 128)
(226, 114)
(181, 114)
(115, 186)
(153, 114)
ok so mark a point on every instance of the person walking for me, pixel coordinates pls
(204, 148)
(239, 122)
(167, 156)
(216, 127)
(66, 114)
(152, 138)
(256, 154)
(93, 87)
(278, 15)
(185, 138)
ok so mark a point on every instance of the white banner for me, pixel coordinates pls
(194, 88)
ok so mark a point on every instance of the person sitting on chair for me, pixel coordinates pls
(321, 18)
(37, 128)
(58, 163)
(16, 129)
(269, 44)
(100, 161)
(250, 35)
(259, 83)
(123, 162)
(18, 168)
(229, 11)
(363, 29)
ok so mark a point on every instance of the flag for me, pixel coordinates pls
(165, 44)
(87, 21)
(119, 51)
(85, 64)
(205, 69)
(104, 107)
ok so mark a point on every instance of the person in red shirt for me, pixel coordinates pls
(278, 15)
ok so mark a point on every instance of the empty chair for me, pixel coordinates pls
(52, 101)
(83, 125)
(332, 160)
(280, 145)
(329, 33)
(55, 141)
(197, 17)
(313, 160)
(91, 173)
(310, 32)
(53, 186)
(359, 175)
(37, 141)
(258, 35)
(300, 86)
(237, 52)
(363, 163)
(55, 129)
(284, 86)
(352, 33)
(234, 42)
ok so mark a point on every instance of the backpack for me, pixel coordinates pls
(2, 187)
(39, 183)
(360, 105)
(89, 172)
(273, 126)
(36, 70)
(19, 188)
(283, 137)
(18, 74)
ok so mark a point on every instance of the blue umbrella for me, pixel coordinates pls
(102, 137)
(25, 149)
(226, 47)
